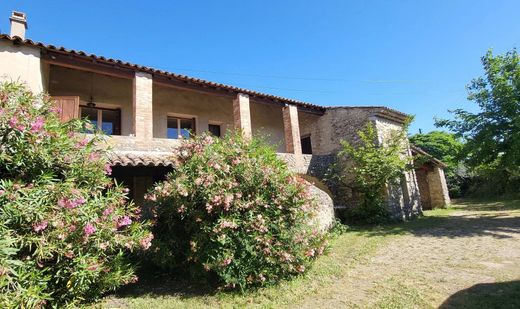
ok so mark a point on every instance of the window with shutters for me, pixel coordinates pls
(104, 119)
(180, 127)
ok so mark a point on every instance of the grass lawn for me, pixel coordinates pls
(465, 256)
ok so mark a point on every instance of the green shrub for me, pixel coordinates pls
(368, 167)
(64, 225)
(232, 211)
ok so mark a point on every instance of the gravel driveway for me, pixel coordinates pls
(468, 258)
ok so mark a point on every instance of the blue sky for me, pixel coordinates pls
(414, 56)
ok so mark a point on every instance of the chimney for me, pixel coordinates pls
(18, 24)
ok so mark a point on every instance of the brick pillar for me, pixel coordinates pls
(142, 106)
(292, 130)
(242, 115)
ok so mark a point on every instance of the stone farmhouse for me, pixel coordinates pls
(146, 112)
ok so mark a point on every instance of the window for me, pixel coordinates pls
(104, 119)
(306, 145)
(180, 127)
(214, 129)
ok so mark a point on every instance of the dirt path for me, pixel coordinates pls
(423, 265)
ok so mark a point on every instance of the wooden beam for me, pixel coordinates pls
(178, 84)
(86, 64)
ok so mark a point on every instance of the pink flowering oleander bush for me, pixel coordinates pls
(65, 227)
(231, 210)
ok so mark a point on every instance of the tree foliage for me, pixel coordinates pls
(492, 134)
(369, 166)
(64, 225)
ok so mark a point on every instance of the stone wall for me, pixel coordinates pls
(403, 197)
(439, 194)
(344, 123)
(338, 123)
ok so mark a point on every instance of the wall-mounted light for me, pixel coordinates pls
(91, 101)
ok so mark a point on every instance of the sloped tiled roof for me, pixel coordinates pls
(140, 158)
(416, 150)
(191, 80)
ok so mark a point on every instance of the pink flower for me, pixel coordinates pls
(124, 221)
(146, 242)
(82, 143)
(2, 192)
(310, 253)
(108, 169)
(13, 122)
(40, 226)
(70, 204)
(108, 211)
(93, 267)
(89, 229)
(37, 125)
(56, 110)
(150, 197)
(226, 262)
(93, 156)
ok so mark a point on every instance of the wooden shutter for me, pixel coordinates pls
(69, 107)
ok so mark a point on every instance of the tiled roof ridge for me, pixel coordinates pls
(421, 151)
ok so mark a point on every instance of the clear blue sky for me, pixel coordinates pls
(414, 56)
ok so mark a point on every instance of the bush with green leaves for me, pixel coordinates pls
(232, 212)
(368, 166)
(64, 225)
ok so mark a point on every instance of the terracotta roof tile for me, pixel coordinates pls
(416, 150)
(193, 80)
(140, 158)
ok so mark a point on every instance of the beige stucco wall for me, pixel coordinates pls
(107, 91)
(267, 121)
(23, 63)
(206, 108)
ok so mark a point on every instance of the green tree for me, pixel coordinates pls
(442, 145)
(373, 166)
(446, 147)
(492, 134)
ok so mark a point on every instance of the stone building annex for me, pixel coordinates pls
(146, 112)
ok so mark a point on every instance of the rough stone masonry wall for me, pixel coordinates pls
(403, 197)
(344, 123)
(438, 188)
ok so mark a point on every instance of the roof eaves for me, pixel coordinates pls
(184, 78)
